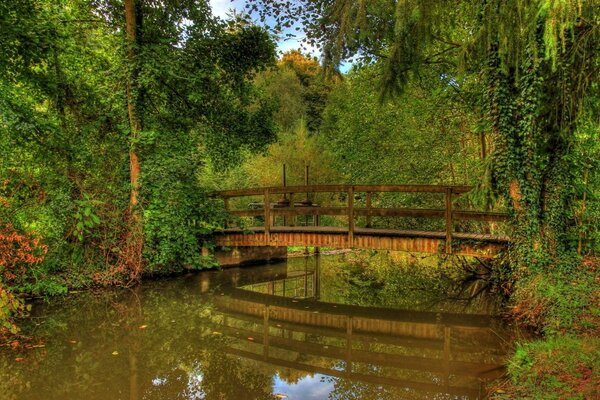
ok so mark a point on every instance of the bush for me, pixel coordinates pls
(18, 252)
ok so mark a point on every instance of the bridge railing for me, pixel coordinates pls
(291, 209)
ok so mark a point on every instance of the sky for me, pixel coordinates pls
(222, 7)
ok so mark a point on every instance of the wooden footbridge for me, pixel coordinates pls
(282, 207)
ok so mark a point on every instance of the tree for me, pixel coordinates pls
(107, 115)
(539, 60)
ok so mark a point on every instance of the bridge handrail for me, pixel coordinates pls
(456, 189)
(290, 209)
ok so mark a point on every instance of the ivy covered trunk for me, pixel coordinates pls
(132, 254)
(532, 112)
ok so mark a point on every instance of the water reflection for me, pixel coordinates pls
(254, 333)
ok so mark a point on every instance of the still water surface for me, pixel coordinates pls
(311, 328)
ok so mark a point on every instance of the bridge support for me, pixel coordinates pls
(249, 255)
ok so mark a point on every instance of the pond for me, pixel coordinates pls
(349, 326)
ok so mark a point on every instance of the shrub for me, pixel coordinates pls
(18, 252)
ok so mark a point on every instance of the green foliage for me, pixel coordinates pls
(178, 215)
(420, 134)
(86, 216)
(558, 368)
(399, 280)
(300, 88)
(65, 134)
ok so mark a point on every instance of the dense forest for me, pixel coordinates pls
(118, 118)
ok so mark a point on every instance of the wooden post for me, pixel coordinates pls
(317, 223)
(447, 356)
(351, 216)
(369, 195)
(293, 217)
(226, 203)
(449, 222)
(349, 326)
(267, 216)
(266, 333)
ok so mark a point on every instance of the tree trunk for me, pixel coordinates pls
(531, 160)
(134, 245)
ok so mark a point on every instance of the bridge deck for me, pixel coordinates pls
(465, 244)
(370, 232)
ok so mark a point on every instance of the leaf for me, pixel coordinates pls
(115, 353)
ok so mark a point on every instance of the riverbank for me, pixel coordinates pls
(565, 362)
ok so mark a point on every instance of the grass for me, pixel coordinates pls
(559, 367)
(565, 362)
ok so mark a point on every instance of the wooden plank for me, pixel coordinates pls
(247, 213)
(351, 216)
(368, 207)
(376, 212)
(449, 223)
(370, 232)
(400, 212)
(267, 213)
(238, 192)
(457, 189)
(288, 211)
(310, 189)
(411, 188)
(480, 215)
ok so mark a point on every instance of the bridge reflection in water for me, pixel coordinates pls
(431, 354)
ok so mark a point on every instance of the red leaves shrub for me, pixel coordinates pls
(17, 253)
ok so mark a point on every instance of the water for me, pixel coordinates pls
(337, 327)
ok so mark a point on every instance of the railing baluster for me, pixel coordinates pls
(351, 216)
(267, 215)
(368, 206)
(449, 223)
(292, 217)
(226, 204)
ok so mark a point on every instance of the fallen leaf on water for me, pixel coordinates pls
(19, 359)
(280, 396)
(500, 391)
(250, 338)
(73, 341)
(115, 353)
(216, 333)
(36, 346)
(143, 326)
